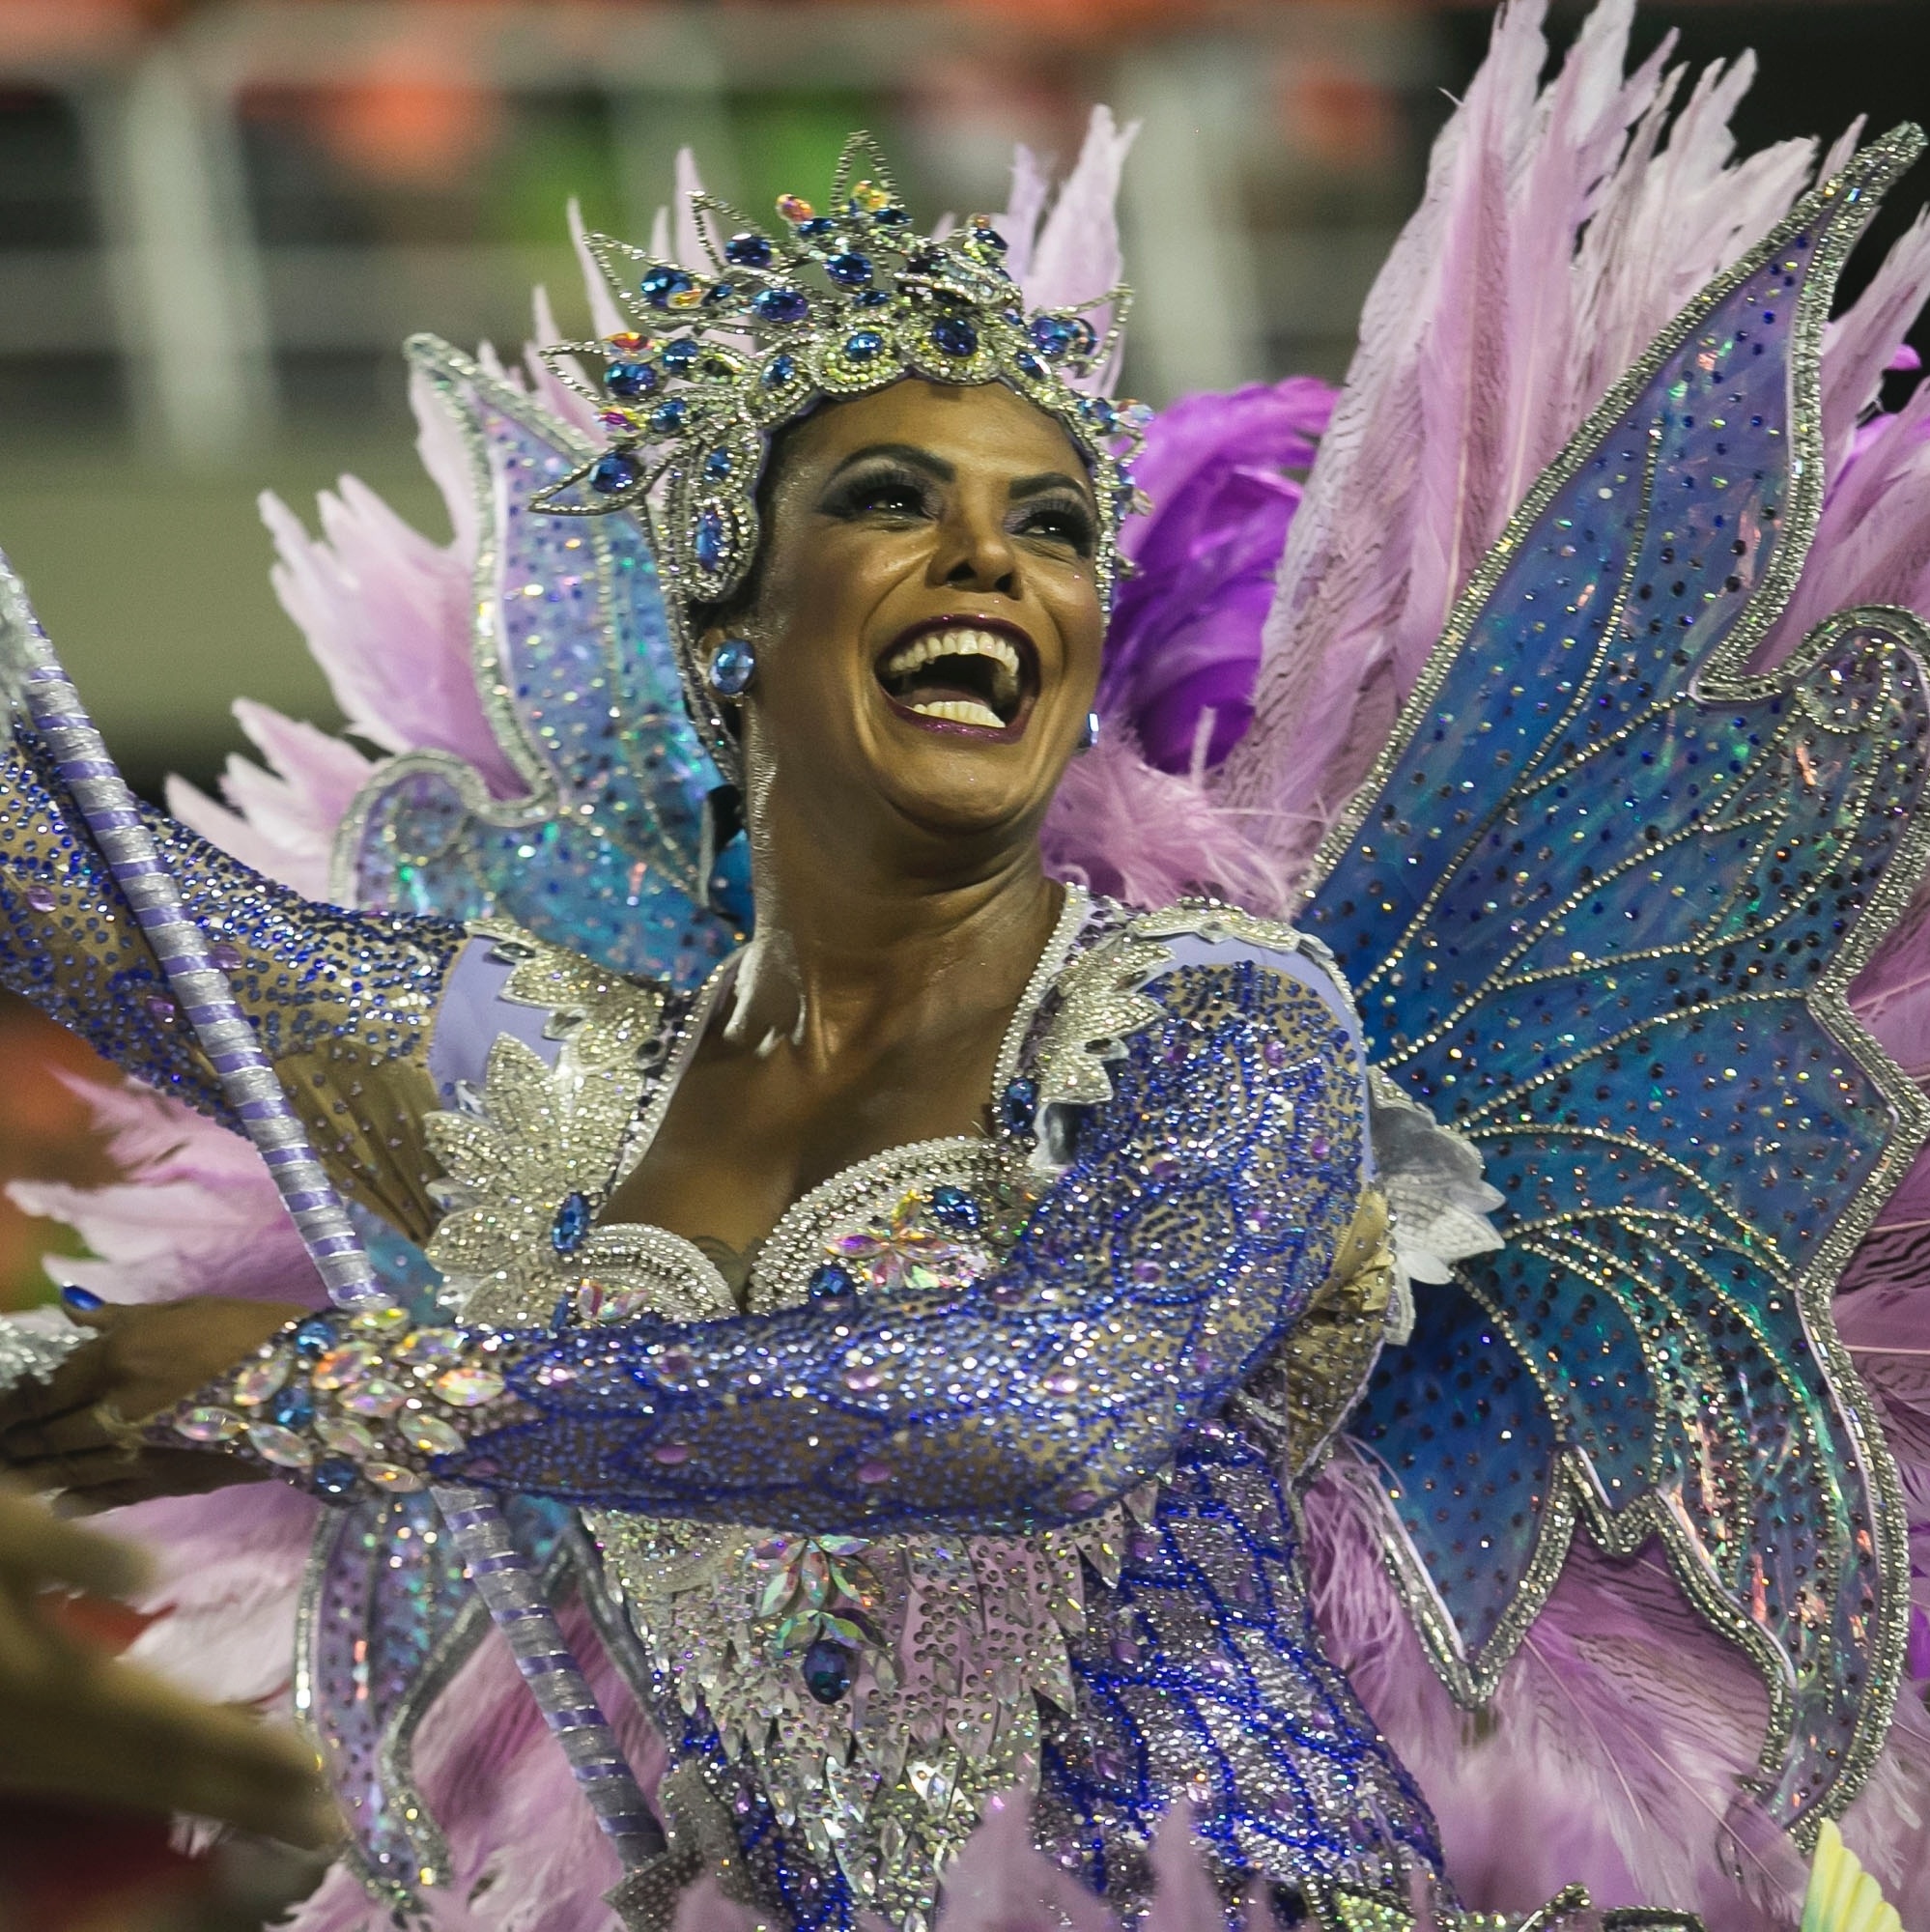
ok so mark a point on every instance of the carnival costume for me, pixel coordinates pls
(1118, 1466)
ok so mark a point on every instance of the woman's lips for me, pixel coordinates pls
(969, 675)
(928, 721)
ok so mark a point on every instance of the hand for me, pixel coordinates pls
(78, 1723)
(72, 1432)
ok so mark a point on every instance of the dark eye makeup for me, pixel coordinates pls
(883, 488)
(1060, 518)
(897, 491)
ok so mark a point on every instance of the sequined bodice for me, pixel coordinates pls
(880, 1688)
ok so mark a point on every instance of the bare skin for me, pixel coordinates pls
(901, 903)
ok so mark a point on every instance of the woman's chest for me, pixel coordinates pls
(742, 1140)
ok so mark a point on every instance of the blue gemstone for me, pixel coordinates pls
(1096, 409)
(850, 270)
(630, 379)
(828, 1670)
(779, 371)
(1031, 365)
(717, 466)
(720, 295)
(336, 1477)
(748, 251)
(292, 1406)
(954, 336)
(780, 305)
(661, 283)
(990, 237)
(731, 665)
(668, 415)
(872, 297)
(613, 473)
(925, 261)
(680, 353)
(571, 1228)
(315, 1337)
(708, 543)
(82, 1300)
(865, 346)
(890, 217)
(952, 1207)
(1052, 335)
(1017, 1105)
(816, 227)
(829, 1282)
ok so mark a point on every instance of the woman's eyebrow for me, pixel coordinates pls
(1047, 479)
(903, 452)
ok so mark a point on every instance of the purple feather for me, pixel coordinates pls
(1223, 475)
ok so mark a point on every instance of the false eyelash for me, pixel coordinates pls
(855, 494)
(1082, 530)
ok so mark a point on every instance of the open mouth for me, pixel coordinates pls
(963, 674)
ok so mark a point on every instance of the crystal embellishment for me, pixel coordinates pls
(346, 1437)
(828, 1670)
(260, 1379)
(282, 1448)
(430, 1436)
(210, 1425)
(340, 1367)
(469, 1388)
(572, 1225)
(377, 1396)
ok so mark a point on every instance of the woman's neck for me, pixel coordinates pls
(854, 955)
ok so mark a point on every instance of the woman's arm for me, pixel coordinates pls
(1206, 1203)
(344, 1003)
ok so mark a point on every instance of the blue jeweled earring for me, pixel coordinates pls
(732, 666)
(1089, 737)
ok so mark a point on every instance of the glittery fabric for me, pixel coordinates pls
(1201, 1677)
(1599, 909)
(1011, 1368)
(605, 851)
(1204, 1210)
(343, 1003)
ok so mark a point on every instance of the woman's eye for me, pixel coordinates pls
(1060, 522)
(881, 497)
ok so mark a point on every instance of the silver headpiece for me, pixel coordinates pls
(833, 305)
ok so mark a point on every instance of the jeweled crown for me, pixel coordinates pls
(833, 303)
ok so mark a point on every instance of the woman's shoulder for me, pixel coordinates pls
(1168, 951)
(1128, 1007)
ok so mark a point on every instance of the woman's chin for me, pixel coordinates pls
(959, 788)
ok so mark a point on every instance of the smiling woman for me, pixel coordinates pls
(887, 1233)
(923, 1326)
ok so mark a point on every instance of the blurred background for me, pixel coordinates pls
(218, 221)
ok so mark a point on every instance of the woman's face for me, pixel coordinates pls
(927, 622)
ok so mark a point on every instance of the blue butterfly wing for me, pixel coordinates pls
(1600, 907)
(603, 850)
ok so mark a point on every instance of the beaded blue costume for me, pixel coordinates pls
(987, 1481)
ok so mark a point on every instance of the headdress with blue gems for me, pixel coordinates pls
(834, 304)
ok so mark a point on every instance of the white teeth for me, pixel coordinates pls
(961, 642)
(962, 711)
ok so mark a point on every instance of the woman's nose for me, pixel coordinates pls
(976, 553)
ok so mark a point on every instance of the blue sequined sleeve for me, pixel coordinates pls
(344, 1003)
(1204, 1205)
